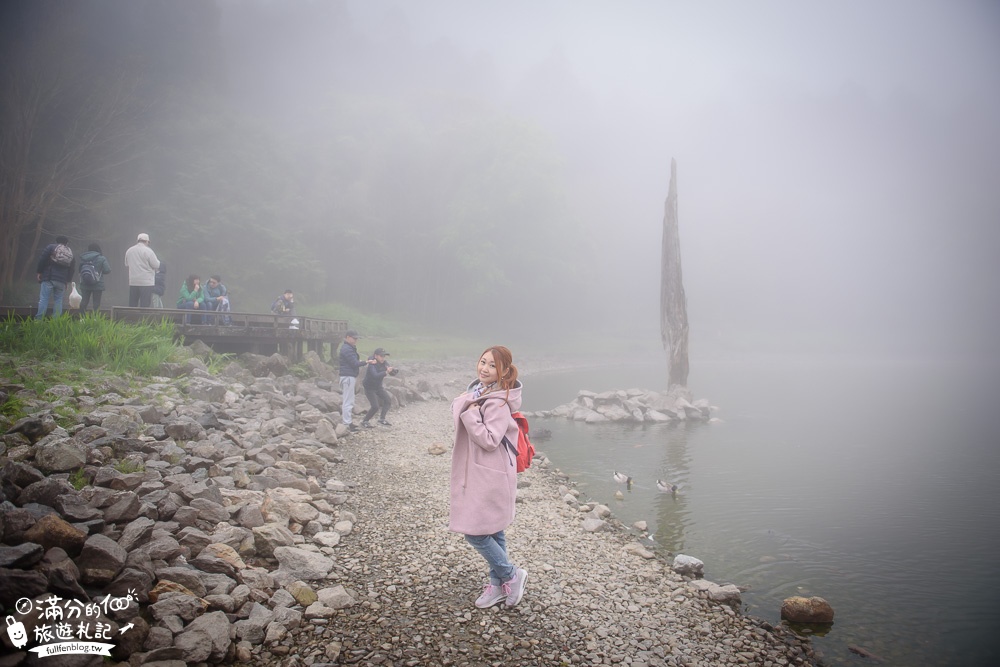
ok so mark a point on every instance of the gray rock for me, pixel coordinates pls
(335, 597)
(688, 566)
(162, 547)
(22, 556)
(135, 533)
(101, 560)
(253, 629)
(16, 584)
(301, 564)
(210, 511)
(184, 428)
(213, 627)
(270, 536)
(126, 508)
(60, 456)
(185, 607)
(187, 577)
(44, 492)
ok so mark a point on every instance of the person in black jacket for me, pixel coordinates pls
(376, 393)
(350, 364)
(95, 256)
(53, 278)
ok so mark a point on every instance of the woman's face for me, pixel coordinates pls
(488, 369)
(197, 283)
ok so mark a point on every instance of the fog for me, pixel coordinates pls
(837, 164)
(501, 167)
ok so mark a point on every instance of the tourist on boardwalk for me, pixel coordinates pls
(350, 364)
(159, 286)
(217, 297)
(284, 304)
(93, 267)
(192, 297)
(142, 265)
(55, 270)
(376, 393)
(484, 474)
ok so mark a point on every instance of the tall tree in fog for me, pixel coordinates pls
(673, 303)
(68, 128)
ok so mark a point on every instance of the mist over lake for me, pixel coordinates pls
(496, 172)
(868, 483)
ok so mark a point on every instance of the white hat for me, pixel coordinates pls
(143, 237)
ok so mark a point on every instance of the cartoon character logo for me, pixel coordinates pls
(15, 630)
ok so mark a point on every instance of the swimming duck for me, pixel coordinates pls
(664, 487)
(622, 478)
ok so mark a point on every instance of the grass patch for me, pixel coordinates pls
(78, 478)
(13, 408)
(92, 341)
(217, 362)
(127, 466)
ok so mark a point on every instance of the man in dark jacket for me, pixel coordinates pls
(53, 276)
(94, 256)
(376, 393)
(350, 364)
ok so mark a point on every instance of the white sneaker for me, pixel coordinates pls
(515, 586)
(491, 595)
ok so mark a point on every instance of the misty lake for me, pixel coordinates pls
(871, 484)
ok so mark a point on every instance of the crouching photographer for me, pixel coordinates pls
(376, 393)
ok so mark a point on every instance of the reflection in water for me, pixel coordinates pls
(670, 509)
(863, 483)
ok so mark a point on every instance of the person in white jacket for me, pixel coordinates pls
(142, 265)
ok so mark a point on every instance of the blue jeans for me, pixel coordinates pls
(50, 289)
(189, 305)
(494, 549)
(347, 389)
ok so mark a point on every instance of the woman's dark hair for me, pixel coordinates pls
(190, 281)
(95, 247)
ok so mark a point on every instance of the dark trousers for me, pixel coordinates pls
(139, 295)
(378, 397)
(89, 294)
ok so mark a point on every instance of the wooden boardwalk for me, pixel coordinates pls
(245, 332)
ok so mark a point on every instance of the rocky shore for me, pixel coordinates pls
(230, 519)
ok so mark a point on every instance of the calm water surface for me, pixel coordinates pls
(871, 484)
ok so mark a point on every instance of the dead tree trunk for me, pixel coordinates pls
(673, 304)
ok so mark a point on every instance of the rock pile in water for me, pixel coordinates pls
(633, 405)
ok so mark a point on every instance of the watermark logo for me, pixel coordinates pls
(68, 627)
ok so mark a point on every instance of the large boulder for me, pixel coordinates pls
(806, 610)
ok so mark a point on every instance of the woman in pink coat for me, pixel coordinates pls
(484, 474)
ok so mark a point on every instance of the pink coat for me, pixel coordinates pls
(483, 470)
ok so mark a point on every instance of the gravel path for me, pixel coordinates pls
(588, 601)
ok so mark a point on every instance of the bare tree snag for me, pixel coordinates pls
(673, 303)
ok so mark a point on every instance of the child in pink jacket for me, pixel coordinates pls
(484, 472)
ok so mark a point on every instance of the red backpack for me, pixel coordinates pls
(525, 450)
